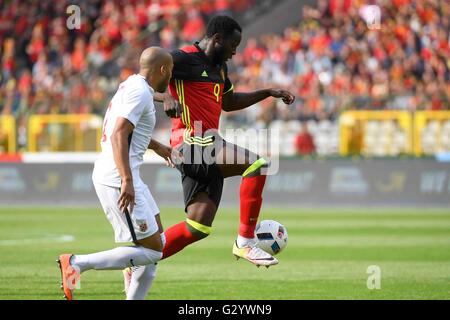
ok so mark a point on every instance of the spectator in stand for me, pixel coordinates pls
(304, 142)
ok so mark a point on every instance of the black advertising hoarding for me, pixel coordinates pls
(421, 182)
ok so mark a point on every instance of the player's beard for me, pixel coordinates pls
(162, 87)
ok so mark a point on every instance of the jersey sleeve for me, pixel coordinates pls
(133, 104)
(181, 65)
(228, 87)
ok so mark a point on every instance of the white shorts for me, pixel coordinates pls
(141, 221)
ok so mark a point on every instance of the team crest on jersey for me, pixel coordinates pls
(142, 225)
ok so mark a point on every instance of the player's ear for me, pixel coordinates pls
(163, 70)
(218, 38)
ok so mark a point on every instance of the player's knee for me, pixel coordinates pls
(201, 231)
(257, 168)
(153, 256)
(200, 235)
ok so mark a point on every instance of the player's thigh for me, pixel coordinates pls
(137, 226)
(153, 242)
(233, 160)
(195, 187)
(158, 222)
(144, 217)
(108, 197)
(154, 208)
(197, 164)
(202, 209)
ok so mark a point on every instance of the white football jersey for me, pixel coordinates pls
(133, 101)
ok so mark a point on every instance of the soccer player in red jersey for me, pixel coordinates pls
(201, 86)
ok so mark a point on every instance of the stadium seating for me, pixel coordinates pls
(435, 137)
(48, 69)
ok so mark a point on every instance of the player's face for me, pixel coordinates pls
(226, 47)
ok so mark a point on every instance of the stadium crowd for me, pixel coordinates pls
(331, 60)
(47, 68)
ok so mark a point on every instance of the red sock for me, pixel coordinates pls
(177, 237)
(251, 200)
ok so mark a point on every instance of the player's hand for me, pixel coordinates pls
(170, 155)
(126, 196)
(172, 107)
(286, 96)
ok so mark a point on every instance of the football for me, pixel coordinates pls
(271, 236)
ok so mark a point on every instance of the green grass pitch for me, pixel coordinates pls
(327, 256)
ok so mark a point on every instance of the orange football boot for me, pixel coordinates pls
(69, 275)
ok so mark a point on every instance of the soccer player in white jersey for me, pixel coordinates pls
(126, 200)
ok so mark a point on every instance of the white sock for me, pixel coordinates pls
(141, 281)
(142, 278)
(116, 259)
(242, 241)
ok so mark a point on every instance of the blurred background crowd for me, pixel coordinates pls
(47, 68)
(331, 60)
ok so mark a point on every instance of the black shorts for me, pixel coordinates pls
(199, 176)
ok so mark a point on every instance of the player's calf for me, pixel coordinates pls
(201, 211)
(182, 235)
(251, 190)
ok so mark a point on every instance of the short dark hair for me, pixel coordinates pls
(222, 25)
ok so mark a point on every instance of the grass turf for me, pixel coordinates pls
(327, 256)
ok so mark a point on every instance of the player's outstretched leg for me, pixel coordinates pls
(251, 190)
(252, 185)
(116, 259)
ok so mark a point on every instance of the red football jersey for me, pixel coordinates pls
(198, 85)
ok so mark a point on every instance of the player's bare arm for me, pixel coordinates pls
(233, 101)
(170, 155)
(172, 107)
(119, 141)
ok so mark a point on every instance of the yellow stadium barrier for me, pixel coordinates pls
(431, 132)
(369, 133)
(8, 142)
(60, 133)
(375, 133)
